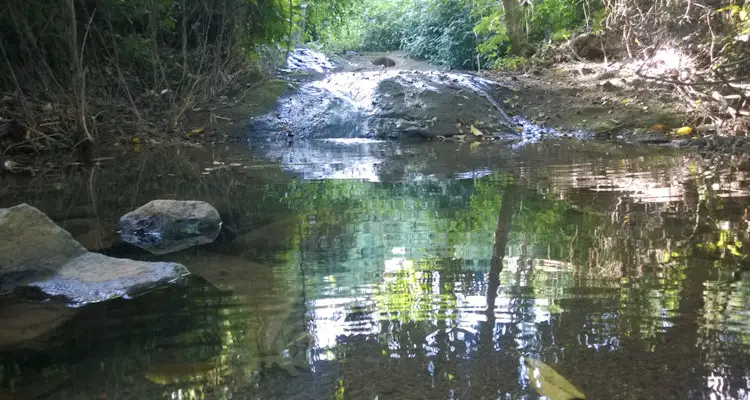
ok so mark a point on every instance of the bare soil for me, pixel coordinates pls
(590, 97)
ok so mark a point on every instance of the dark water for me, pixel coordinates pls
(396, 271)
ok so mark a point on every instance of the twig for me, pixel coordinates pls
(732, 88)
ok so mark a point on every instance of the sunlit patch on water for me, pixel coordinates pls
(352, 141)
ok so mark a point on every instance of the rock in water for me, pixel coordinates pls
(34, 252)
(388, 104)
(384, 62)
(166, 226)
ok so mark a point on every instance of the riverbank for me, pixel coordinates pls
(610, 102)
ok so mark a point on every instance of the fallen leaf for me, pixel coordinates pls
(196, 131)
(548, 383)
(473, 145)
(476, 131)
(658, 128)
(685, 130)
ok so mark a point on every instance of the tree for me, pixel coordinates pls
(514, 23)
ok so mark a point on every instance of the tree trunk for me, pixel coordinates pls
(514, 27)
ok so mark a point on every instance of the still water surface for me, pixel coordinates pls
(393, 271)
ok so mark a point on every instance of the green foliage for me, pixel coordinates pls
(546, 20)
(142, 61)
(554, 19)
(440, 33)
(437, 31)
(511, 63)
(453, 33)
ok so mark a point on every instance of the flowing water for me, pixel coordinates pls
(381, 270)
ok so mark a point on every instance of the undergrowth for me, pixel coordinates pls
(76, 71)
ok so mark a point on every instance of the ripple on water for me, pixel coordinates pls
(616, 270)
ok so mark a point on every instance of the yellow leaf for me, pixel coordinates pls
(658, 128)
(685, 130)
(548, 383)
(473, 145)
(476, 131)
(196, 131)
(136, 140)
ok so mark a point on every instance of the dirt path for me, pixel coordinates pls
(363, 62)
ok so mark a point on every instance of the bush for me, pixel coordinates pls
(138, 64)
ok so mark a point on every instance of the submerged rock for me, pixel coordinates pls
(387, 104)
(25, 321)
(167, 226)
(36, 253)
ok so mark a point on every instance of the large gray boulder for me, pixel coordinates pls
(34, 252)
(388, 104)
(167, 226)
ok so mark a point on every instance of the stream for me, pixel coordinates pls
(369, 268)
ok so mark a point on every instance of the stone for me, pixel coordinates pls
(36, 253)
(31, 242)
(23, 322)
(167, 226)
(94, 277)
(587, 46)
(388, 104)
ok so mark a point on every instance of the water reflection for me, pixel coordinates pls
(439, 276)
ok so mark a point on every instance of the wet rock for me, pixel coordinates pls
(307, 60)
(32, 243)
(384, 62)
(36, 253)
(251, 280)
(167, 226)
(388, 104)
(23, 322)
(94, 277)
(651, 138)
